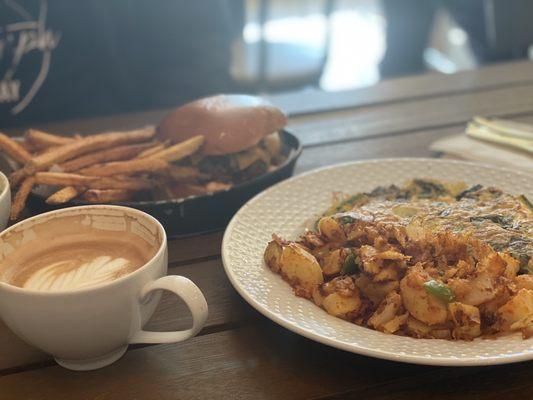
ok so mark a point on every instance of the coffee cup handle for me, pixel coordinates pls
(190, 294)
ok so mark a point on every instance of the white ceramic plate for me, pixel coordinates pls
(287, 208)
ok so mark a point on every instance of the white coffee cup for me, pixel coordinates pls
(90, 328)
(5, 201)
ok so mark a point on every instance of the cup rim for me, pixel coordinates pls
(94, 288)
(5, 181)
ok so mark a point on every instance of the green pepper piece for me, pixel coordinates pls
(349, 266)
(439, 290)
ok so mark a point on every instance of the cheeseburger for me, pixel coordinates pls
(241, 137)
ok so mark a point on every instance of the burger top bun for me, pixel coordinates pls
(230, 123)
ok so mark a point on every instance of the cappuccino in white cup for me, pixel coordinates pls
(71, 253)
(77, 283)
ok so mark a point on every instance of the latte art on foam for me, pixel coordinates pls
(75, 252)
(69, 275)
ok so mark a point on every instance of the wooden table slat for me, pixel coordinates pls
(409, 144)
(411, 115)
(487, 383)
(190, 249)
(260, 361)
(257, 361)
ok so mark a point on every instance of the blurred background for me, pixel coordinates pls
(61, 59)
(339, 45)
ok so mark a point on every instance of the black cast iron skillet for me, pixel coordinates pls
(201, 213)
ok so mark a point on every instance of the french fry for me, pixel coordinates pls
(180, 150)
(182, 173)
(120, 183)
(64, 195)
(21, 196)
(107, 195)
(14, 150)
(82, 146)
(148, 152)
(43, 140)
(102, 168)
(215, 186)
(16, 177)
(62, 179)
(113, 154)
(126, 167)
(30, 148)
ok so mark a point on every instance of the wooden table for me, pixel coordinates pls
(241, 355)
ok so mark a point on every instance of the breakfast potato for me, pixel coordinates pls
(332, 263)
(375, 291)
(272, 255)
(395, 324)
(525, 325)
(369, 261)
(520, 306)
(338, 305)
(524, 282)
(480, 289)
(386, 311)
(513, 266)
(417, 328)
(389, 273)
(420, 304)
(317, 296)
(331, 229)
(301, 268)
(399, 264)
(467, 320)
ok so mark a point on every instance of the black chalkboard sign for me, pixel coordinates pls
(62, 59)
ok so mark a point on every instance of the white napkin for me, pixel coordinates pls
(463, 147)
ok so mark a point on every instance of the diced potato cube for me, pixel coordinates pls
(317, 296)
(272, 255)
(466, 319)
(395, 324)
(418, 301)
(441, 333)
(387, 274)
(332, 263)
(513, 265)
(367, 254)
(331, 229)
(478, 290)
(416, 328)
(386, 311)
(524, 282)
(338, 305)
(300, 268)
(520, 306)
(375, 291)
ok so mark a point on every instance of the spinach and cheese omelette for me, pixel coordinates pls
(427, 260)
